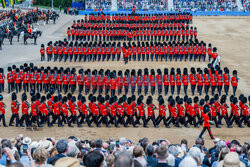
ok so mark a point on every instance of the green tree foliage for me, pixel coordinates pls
(56, 3)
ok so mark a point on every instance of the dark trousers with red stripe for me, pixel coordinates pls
(209, 131)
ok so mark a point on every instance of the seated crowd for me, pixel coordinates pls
(74, 152)
(201, 5)
(246, 5)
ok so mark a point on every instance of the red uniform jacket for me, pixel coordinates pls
(33, 109)
(2, 108)
(25, 108)
(206, 120)
(14, 107)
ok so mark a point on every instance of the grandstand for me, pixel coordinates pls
(171, 5)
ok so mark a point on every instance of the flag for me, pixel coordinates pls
(3, 3)
(7, 3)
(11, 2)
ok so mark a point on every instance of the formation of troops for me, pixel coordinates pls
(125, 111)
(136, 51)
(116, 97)
(105, 38)
(165, 82)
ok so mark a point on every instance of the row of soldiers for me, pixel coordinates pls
(128, 33)
(140, 51)
(120, 27)
(159, 17)
(63, 80)
(125, 111)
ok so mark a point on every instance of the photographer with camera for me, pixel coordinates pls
(7, 153)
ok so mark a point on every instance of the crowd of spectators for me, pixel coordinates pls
(202, 5)
(159, 5)
(74, 152)
(98, 4)
(162, 5)
(246, 5)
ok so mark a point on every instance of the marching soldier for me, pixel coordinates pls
(223, 114)
(181, 113)
(104, 113)
(25, 113)
(73, 109)
(2, 111)
(14, 109)
(245, 113)
(94, 111)
(65, 112)
(151, 107)
(162, 113)
(45, 110)
(84, 112)
(34, 112)
(141, 112)
(56, 111)
(236, 115)
(206, 125)
(129, 109)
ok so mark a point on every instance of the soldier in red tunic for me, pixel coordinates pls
(130, 114)
(162, 113)
(25, 113)
(42, 51)
(236, 114)
(45, 111)
(10, 80)
(206, 125)
(174, 119)
(245, 112)
(2, 111)
(14, 109)
(34, 112)
(181, 112)
(56, 111)
(226, 79)
(223, 112)
(141, 112)
(234, 81)
(104, 113)
(151, 107)
(94, 111)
